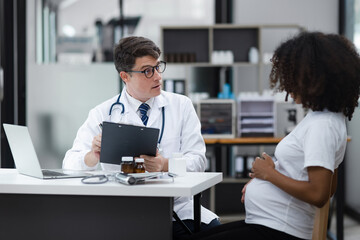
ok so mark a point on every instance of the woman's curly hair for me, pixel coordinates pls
(322, 70)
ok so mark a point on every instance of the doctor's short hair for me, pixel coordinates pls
(130, 48)
(321, 70)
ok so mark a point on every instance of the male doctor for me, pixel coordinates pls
(142, 102)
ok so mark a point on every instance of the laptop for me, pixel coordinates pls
(25, 157)
(120, 140)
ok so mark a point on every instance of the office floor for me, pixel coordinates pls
(351, 228)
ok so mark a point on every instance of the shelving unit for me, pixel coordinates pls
(238, 40)
(186, 45)
(195, 44)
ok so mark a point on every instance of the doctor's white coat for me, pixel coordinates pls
(181, 134)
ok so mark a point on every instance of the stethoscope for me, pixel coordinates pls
(128, 179)
(123, 110)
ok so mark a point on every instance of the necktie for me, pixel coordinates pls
(143, 112)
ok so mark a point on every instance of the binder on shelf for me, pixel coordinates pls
(248, 165)
(239, 166)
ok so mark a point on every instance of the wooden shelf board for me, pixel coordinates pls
(243, 140)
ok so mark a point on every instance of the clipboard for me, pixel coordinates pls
(120, 140)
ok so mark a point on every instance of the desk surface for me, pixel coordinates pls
(190, 184)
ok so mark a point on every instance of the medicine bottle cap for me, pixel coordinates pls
(139, 160)
(127, 159)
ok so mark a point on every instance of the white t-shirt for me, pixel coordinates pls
(318, 140)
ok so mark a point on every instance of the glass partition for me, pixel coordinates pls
(69, 62)
(85, 31)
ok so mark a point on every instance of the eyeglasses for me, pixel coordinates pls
(149, 72)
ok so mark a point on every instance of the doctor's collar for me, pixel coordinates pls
(134, 103)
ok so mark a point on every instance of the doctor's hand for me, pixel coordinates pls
(262, 168)
(93, 157)
(155, 164)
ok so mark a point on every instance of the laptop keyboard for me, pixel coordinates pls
(52, 173)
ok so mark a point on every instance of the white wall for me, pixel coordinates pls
(315, 15)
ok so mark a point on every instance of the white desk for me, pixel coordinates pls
(67, 209)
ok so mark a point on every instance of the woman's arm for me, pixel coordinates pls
(315, 191)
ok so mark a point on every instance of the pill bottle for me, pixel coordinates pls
(139, 165)
(127, 164)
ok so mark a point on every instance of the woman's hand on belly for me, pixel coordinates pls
(316, 190)
(262, 168)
